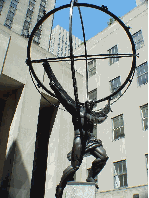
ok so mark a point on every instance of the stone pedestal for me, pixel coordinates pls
(79, 190)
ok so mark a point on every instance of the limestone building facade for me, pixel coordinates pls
(125, 132)
(59, 42)
(35, 135)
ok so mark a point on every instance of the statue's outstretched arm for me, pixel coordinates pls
(69, 106)
(60, 93)
(102, 114)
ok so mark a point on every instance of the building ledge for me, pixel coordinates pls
(123, 189)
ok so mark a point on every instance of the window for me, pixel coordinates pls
(62, 50)
(62, 45)
(120, 174)
(146, 159)
(68, 49)
(11, 13)
(144, 112)
(115, 84)
(31, 4)
(37, 35)
(75, 43)
(93, 95)
(52, 46)
(138, 39)
(1, 5)
(142, 73)
(113, 50)
(43, 3)
(92, 68)
(65, 46)
(136, 196)
(118, 127)
(59, 43)
(58, 50)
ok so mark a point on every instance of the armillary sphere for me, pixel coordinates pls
(72, 58)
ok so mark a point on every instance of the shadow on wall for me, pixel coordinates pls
(12, 181)
(8, 104)
(8, 165)
(45, 123)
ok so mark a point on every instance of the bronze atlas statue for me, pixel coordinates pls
(83, 116)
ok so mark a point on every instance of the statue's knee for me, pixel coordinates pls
(101, 153)
(76, 164)
(77, 157)
(104, 157)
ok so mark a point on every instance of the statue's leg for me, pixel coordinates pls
(98, 164)
(67, 176)
(76, 160)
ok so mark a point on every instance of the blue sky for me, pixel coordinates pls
(94, 20)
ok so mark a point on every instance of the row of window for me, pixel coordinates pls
(138, 38)
(62, 46)
(27, 21)
(41, 13)
(120, 173)
(1, 5)
(118, 121)
(11, 13)
(141, 72)
(139, 43)
(58, 50)
(29, 14)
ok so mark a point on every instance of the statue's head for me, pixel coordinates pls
(89, 105)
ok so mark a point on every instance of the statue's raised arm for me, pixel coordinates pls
(61, 94)
(96, 116)
(104, 111)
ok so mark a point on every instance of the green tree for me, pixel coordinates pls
(83, 42)
(111, 20)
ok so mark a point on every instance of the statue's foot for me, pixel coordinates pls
(59, 192)
(90, 179)
(96, 185)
